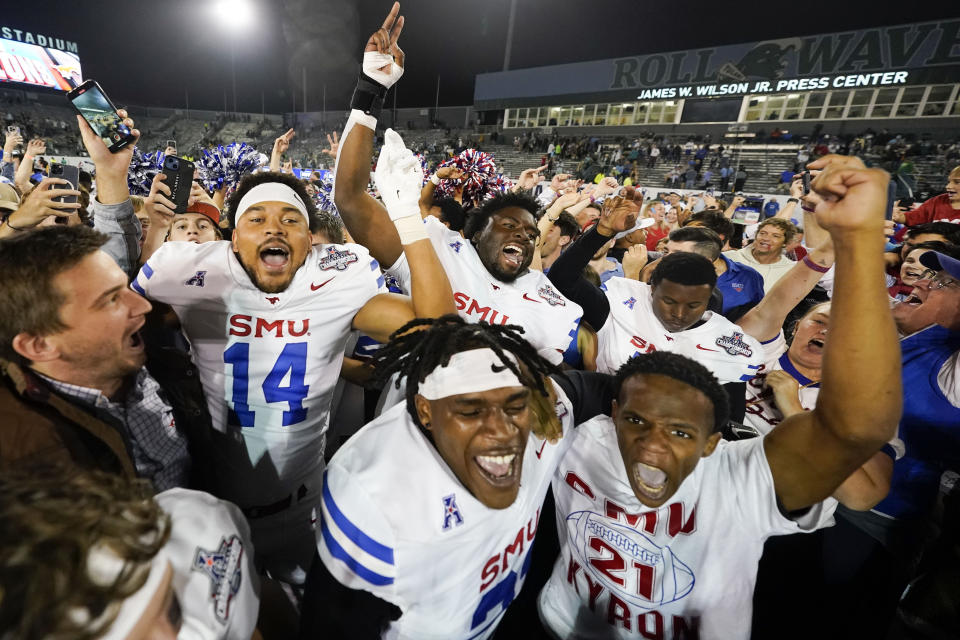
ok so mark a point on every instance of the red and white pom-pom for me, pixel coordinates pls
(479, 175)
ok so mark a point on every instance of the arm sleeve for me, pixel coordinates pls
(920, 215)
(356, 542)
(591, 394)
(332, 610)
(123, 230)
(565, 275)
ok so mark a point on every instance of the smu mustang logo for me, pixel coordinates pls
(552, 297)
(222, 566)
(734, 345)
(338, 260)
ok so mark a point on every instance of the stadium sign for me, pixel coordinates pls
(38, 60)
(906, 54)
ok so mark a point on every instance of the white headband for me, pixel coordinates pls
(103, 567)
(269, 192)
(469, 372)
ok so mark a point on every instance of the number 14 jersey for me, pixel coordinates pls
(268, 361)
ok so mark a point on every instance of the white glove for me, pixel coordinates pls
(373, 60)
(398, 177)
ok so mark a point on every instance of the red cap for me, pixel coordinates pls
(207, 209)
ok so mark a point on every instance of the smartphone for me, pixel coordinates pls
(178, 175)
(805, 176)
(93, 104)
(13, 130)
(891, 199)
(172, 143)
(66, 172)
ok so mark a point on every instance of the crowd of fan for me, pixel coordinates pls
(158, 475)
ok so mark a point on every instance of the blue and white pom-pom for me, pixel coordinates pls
(225, 166)
(143, 169)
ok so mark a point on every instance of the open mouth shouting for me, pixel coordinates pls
(512, 255)
(501, 469)
(274, 257)
(649, 480)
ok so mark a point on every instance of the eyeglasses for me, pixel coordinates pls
(938, 280)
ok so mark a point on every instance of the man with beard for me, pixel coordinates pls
(488, 267)
(661, 522)
(267, 316)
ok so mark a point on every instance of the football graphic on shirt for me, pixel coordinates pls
(627, 562)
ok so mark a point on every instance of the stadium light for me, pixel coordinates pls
(233, 15)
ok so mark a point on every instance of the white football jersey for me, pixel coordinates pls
(549, 319)
(398, 523)
(762, 413)
(684, 570)
(213, 572)
(268, 361)
(632, 328)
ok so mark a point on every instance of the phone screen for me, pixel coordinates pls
(99, 113)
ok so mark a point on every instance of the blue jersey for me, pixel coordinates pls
(930, 426)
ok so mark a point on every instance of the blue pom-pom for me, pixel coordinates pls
(143, 169)
(225, 166)
(324, 196)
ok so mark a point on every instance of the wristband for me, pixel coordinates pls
(813, 265)
(411, 229)
(435, 179)
(10, 226)
(368, 96)
(793, 200)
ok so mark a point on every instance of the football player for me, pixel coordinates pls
(267, 316)
(488, 267)
(661, 522)
(430, 511)
(669, 314)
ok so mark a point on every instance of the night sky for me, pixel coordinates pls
(153, 53)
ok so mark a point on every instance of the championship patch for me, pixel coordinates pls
(338, 260)
(734, 345)
(552, 297)
(223, 568)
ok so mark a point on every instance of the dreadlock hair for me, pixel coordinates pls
(682, 369)
(414, 354)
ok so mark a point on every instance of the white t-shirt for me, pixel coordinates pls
(549, 319)
(685, 570)
(397, 522)
(213, 572)
(268, 361)
(632, 328)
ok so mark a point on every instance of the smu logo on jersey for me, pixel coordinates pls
(552, 297)
(734, 345)
(626, 562)
(498, 597)
(338, 260)
(468, 307)
(244, 326)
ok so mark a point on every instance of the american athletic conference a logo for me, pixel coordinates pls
(338, 260)
(734, 345)
(222, 566)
